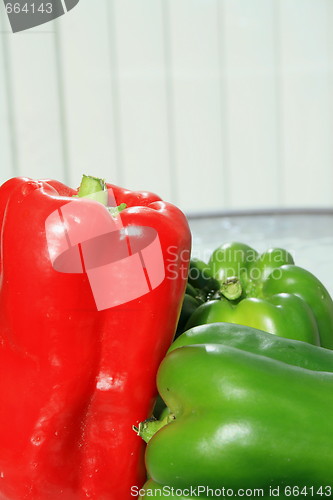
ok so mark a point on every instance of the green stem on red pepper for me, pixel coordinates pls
(95, 189)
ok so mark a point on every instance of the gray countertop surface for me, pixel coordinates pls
(308, 237)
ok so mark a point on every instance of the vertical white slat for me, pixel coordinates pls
(86, 86)
(7, 129)
(329, 24)
(306, 66)
(196, 100)
(34, 95)
(251, 95)
(140, 79)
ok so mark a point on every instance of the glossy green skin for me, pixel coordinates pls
(298, 281)
(189, 306)
(200, 276)
(200, 286)
(242, 421)
(291, 352)
(278, 297)
(284, 315)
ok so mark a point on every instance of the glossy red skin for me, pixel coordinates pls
(60, 436)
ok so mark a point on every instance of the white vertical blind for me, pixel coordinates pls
(83, 45)
(7, 134)
(141, 89)
(29, 79)
(213, 104)
(195, 101)
(250, 60)
(306, 108)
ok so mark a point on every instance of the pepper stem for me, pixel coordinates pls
(93, 188)
(231, 289)
(114, 211)
(149, 427)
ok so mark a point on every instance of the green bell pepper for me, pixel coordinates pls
(192, 300)
(200, 277)
(202, 287)
(277, 296)
(248, 410)
(245, 338)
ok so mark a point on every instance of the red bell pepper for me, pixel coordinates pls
(78, 368)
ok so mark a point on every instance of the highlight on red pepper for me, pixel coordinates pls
(90, 296)
(135, 265)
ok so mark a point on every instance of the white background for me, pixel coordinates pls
(214, 104)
